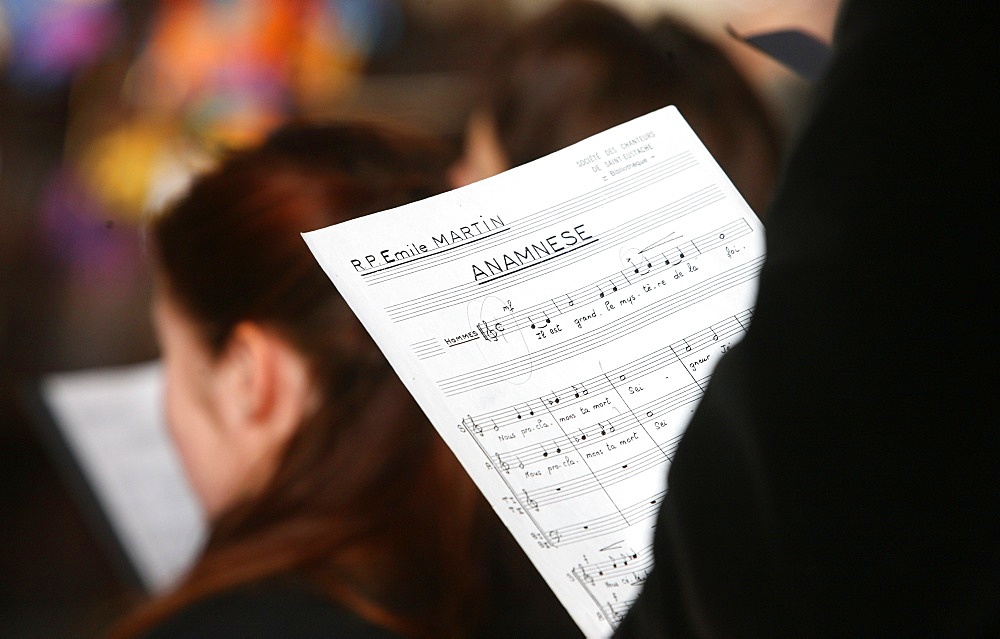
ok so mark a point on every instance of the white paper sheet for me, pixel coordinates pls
(112, 420)
(558, 324)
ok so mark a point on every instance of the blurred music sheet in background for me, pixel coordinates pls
(111, 422)
(558, 324)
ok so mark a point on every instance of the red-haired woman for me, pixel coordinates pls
(336, 508)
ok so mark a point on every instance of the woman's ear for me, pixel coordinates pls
(264, 391)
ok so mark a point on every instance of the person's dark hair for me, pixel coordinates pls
(367, 504)
(584, 66)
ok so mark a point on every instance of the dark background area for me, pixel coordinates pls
(74, 289)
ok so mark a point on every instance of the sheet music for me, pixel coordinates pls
(558, 323)
(113, 422)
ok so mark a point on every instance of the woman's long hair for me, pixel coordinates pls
(367, 503)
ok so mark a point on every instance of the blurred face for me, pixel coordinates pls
(197, 411)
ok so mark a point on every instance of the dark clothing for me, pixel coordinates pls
(520, 605)
(277, 608)
(841, 476)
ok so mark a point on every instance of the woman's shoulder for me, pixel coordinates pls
(276, 608)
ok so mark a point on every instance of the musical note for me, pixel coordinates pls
(540, 324)
(638, 267)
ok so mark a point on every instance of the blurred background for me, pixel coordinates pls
(108, 107)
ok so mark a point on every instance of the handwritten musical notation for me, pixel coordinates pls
(559, 323)
(460, 293)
